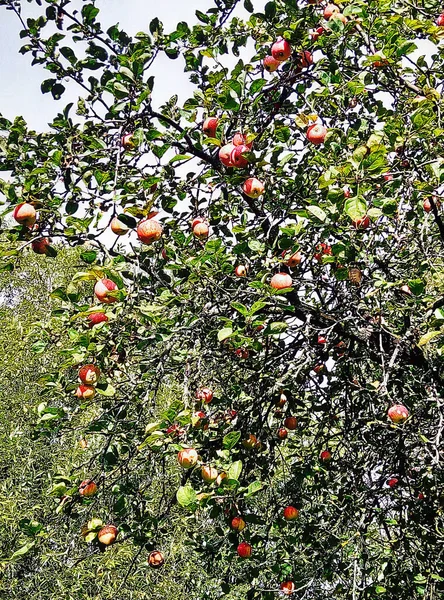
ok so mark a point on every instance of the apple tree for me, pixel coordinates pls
(251, 349)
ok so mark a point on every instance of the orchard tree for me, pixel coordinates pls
(257, 323)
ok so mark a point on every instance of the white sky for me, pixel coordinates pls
(20, 89)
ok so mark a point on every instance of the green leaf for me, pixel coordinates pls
(428, 337)
(225, 333)
(317, 212)
(240, 308)
(22, 551)
(257, 85)
(186, 495)
(355, 207)
(235, 470)
(253, 488)
(231, 439)
(270, 10)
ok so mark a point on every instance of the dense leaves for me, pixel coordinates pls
(358, 330)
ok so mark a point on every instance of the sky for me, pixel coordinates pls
(20, 88)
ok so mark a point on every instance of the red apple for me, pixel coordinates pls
(325, 456)
(41, 245)
(440, 20)
(361, 223)
(291, 423)
(287, 587)
(282, 433)
(89, 374)
(420, 496)
(330, 10)
(393, 482)
(319, 368)
(347, 192)
(281, 281)
(85, 391)
(209, 474)
(25, 214)
(127, 141)
(201, 231)
(321, 340)
(204, 394)
(240, 271)
(209, 127)
(250, 442)
(305, 59)
(102, 289)
(119, 227)
(87, 488)
(281, 400)
(271, 64)
(240, 140)
(242, 353)
(427, 205)
(220, 478)
(196, 221)
(388, 177)
(398, 413)
(321, 250)
(316, 134)
(149, 231)
(238, 524)
(187, 458)
(315, 34)
(237, 157)
(244, 550)
(225, 154)
(340, 17)
(293, 260)
(107, 535)
(281, 50)
(156, 559)
(96, 318)
(253, 188)
(290, 513)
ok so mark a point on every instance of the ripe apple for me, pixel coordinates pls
(420, 496)
(237, 158)
(315, 34)
(293, 260)
(330, 10)
(427, 205)
(250, 442)
(253, 188)
(127, 141)
(388, 177)
(281, 50)
(96, 318)
(119, 227)
(41, 245)
(187, 458)
(204, 394)
(440, 20)
(287, 587)
(271, 64)
(305, 59)
(379, 64)
(240, 140)
(281, 400)
(238, 524)
(316, 134)
(89, 374)
(282, 433)
(156, 559)
(225, 154)
(340, 17)
(322, 340)
(149, 231)
(242, 353)
(25, 214)
(196, 221)
(107, 535)
(240, 271)
(198, 417)
(290, 513)
(406, 289)
(361, 223)
(102, 289)
(201, 231)
(244, 550)
(209, 474)
(319, 368)
(281, 281)
(87, 488)
(85, 391)
(347, 192)
(220, 478)
(325, 456)
(291, 423)
(321, 250)
(398, 413)
(209, 127)
(393, 482)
